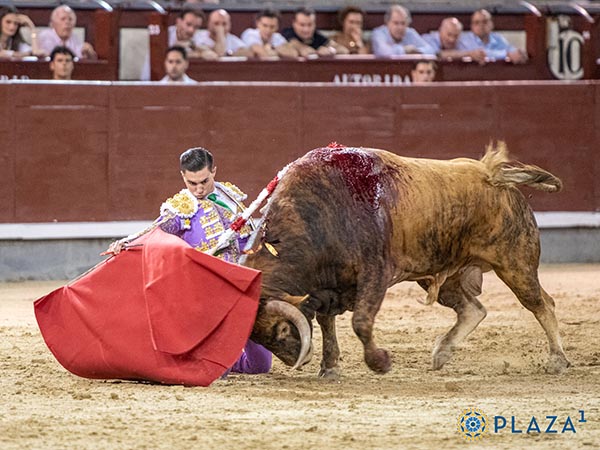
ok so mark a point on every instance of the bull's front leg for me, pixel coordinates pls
(331, 352)
(366, 308)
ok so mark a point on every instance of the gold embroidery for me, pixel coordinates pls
(213, 230)
(233, 190)
(183, 204)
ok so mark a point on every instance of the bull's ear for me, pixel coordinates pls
(295, 300)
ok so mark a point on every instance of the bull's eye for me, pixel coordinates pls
(282, 331)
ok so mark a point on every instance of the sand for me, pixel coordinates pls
(499, 370)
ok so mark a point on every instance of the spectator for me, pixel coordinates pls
(305, 38)
(185, 34)
(60, 34)
(494, 44)
(351, 20)
(12, 44)
(445, 42)
(62, 63)
(423, 71)
(395, 37)
(176, 65)
(264, 40)
(218, 38)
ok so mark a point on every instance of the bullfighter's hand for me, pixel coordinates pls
(114, 248)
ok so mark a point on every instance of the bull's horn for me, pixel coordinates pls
(297, 318)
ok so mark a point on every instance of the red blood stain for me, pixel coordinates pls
(357, 169)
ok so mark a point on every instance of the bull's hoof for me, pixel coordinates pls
(332, 374)
(441, 358)
(379, 361)
(557, 364)
(442, 353)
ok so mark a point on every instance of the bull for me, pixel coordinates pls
(345, 224)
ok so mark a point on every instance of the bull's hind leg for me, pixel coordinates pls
(331, 352)
(525, 285)
(369, 298)
(459, 293)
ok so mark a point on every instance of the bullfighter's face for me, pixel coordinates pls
(200, 183)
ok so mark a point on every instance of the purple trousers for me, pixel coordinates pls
(254, 359)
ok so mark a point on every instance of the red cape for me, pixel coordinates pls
(161, 311)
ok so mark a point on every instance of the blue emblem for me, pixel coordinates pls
(472, 424)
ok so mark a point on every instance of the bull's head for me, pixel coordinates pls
(282, 328)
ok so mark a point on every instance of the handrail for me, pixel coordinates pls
(531, 8)
(582, 11)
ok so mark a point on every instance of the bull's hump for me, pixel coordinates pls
(359, 168)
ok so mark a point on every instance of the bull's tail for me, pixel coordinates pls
(501, 173)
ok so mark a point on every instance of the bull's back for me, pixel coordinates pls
(448, 214)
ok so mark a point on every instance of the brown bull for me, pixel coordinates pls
(348, 223)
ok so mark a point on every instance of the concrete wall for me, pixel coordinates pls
(67, 258)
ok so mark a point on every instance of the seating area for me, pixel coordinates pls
(125, 34)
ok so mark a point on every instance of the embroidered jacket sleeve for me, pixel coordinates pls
(179, 210)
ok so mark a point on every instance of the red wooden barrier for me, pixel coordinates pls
(83, 152)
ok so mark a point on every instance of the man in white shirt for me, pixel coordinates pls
(184, 33)
(264, 40)
(60, 34)
(218, 38)
(176, 64)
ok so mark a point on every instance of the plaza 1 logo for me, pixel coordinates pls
(564, 49)
(473, 424)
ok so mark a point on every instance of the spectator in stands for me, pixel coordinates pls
(218, 38)
(395, 37)
(264, 40)
(185, 34)
(176, 65)
(12, 44)
(494, 44)
(351, 20)
(62, 63)
(60, 34)
(305, 38)
(445, 42)
(423, 71)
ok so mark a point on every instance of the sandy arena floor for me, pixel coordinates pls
(499, 369)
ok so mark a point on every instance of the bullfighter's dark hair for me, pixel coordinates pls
(195, 159)
(61, 50)
(270, 13)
